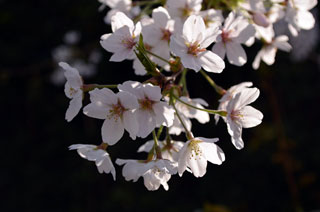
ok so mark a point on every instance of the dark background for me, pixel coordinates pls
(278, 170)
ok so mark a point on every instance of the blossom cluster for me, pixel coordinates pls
(166, 40)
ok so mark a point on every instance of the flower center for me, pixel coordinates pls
(116, 112)
(146, 104)
(195, 149)
(128, 42)
(165, 34)
(72, 91)
(194, 49)
(225, 36)
(186, 11)
(236, 115)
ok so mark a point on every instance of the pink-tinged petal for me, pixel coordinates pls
(103, 96)
(212, 153)
(211, 62)
(164, 114)
(193, 29)
(112, 130)
(251, 117)
(236, 54)
(147, 122)
(74, 107)
(121, 55)
(219, 48)
(119, 20)
(161, 17)
(235, 131)
(197, 164)
(229, 20)
(128, 100)
(131, 124)
(151, 34)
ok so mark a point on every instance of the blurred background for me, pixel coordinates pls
(278, 170)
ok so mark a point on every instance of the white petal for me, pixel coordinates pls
(198, 165)
(235, 130)
(164, 114)
(212, 152)
(305, 20)
(119, 20)
(130, 123)
(219, 49)
(103, 96)
(251, 117)
(236, 54)
(193, 29)
(211, 62)
(161, 17)
(147, 122)
(74, 107)
(112, 131)
(127, 100)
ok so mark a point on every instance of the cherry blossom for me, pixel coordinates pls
(269, 50)
(240, 115)
(196, 152)
(236, 30)
(183, 8)
(95, 153)
(73, 90)
(117, 110)
(191, 46)
(123, 39)
(151, 111)
(169, 149)
(154, 173)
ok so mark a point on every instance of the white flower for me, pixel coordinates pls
(151, 112)
(157, 34)
(154, 173)
(230, 93)
(118, 112)
(169, 151)
(196, 152)
(236, 30)
(269, 50)
(240, 115)
(201, 116)
(176, 128)
(191, 46)
(117, 6)
(100, 156)
(123, 39)
(73, 90)
(211, 17)
(298, 15)
(183, 8)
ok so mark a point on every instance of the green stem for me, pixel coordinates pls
(188, 133)
(218, 89)
(218, 112)
(159, 132)
(157, 56)
(156, 145)
(183, 81)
